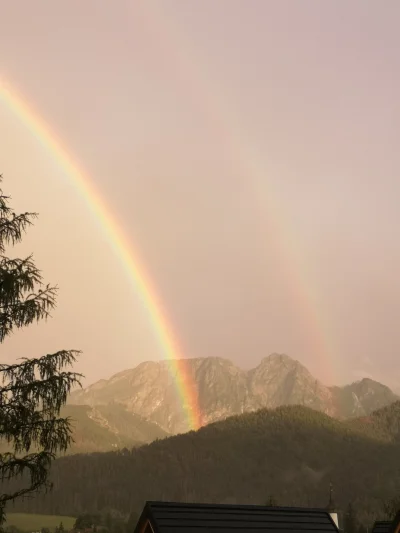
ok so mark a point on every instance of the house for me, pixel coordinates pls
(168, 517)
(382, 526)
(387, 526)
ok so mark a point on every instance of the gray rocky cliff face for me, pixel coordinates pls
(222, 390)
(361, 398)
(280, 380)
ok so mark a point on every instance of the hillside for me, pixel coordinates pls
(105, 428)
(224, 390)
(291, 453)
(383, 424)
(362, 398)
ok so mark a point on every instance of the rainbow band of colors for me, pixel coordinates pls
(123, 248)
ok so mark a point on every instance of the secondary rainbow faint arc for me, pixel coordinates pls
(177, 45)
(129, 257)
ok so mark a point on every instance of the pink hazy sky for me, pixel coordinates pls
(249, 150)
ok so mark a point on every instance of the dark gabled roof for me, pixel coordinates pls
(167, 517)
(382, 526)
(387, 526)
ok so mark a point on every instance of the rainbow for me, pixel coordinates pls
(123, 248)
(190, 68)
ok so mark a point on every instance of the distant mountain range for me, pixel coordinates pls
(148, 394)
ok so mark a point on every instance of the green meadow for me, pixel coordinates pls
(35, 522)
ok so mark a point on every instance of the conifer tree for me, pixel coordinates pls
(271, 502)
(391, 507)
(33, 390)
(132, 521)
(350, 520)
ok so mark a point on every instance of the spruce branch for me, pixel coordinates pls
(32, 390)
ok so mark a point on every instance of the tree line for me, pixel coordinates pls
(292, 453)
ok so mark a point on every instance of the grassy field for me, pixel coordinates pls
(35, 522)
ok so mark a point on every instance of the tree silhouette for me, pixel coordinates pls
(391, 507)
(132, 521)
(350, 520)
(271, 502)
(32, 391)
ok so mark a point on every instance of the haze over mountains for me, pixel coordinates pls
(148, 391)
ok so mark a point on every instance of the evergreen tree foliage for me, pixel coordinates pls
(87, 521)
(391, 507)
(132, 521)
(271, 502)
(350, 520)
(32, 391)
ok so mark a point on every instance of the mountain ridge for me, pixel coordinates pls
(224, 389)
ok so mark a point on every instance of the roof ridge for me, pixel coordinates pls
(235, 506)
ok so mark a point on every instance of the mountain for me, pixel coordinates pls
(362, 397)
(223, 389)
(289, 453)
(106, 427)
(383, 424)
(281, 380)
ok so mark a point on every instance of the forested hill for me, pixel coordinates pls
(383, 424)
(290, 453)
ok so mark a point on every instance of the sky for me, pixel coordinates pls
(249, 152)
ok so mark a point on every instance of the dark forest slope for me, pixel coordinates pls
(291, 453)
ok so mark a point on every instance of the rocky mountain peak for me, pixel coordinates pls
(370, 385)
(279, 358)
(281, 380)
(150, 390)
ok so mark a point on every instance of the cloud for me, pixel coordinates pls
(360, 374)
